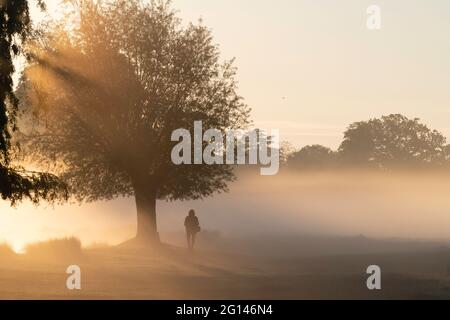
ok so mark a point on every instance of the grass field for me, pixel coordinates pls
(169, 272)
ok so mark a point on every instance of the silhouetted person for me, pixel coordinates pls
(192, 228)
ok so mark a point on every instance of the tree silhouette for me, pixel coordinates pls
(313, 156)
(388, 142)
(392, 140)
(17, 183)
(109, 93)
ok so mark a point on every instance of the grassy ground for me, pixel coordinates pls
(174, 273)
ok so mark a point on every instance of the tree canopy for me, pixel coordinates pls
(392, 140)
(313, 156)
(386, 142)
(16, 183)
(109, 92)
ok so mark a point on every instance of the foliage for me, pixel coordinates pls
(388, 142)
(15, 182)
(313, 156)
(392, 141)
(109, 93)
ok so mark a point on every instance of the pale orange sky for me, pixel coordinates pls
(330, 68)
(311, 67)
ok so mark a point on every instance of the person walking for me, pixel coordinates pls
(192, 226)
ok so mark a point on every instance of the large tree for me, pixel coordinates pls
(16, 183)
(110, 91)
(392, 140)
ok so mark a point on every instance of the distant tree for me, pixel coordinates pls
(392, 140)
(17, 183)
(109, 93)
(286, 150)
(447, 153)
(313, 156)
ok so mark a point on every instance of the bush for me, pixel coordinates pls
(55, 248)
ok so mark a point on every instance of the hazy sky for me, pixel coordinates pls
(307, 67)
(311, 67)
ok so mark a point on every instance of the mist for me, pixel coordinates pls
(403, 205)
(375, 204)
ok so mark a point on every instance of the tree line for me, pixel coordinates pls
(392, 141)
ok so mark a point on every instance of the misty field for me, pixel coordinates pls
(169, 272)
(273, 241)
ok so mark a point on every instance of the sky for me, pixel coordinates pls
(308, 68)
(311, 67)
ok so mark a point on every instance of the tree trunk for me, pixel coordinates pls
(145, 196)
